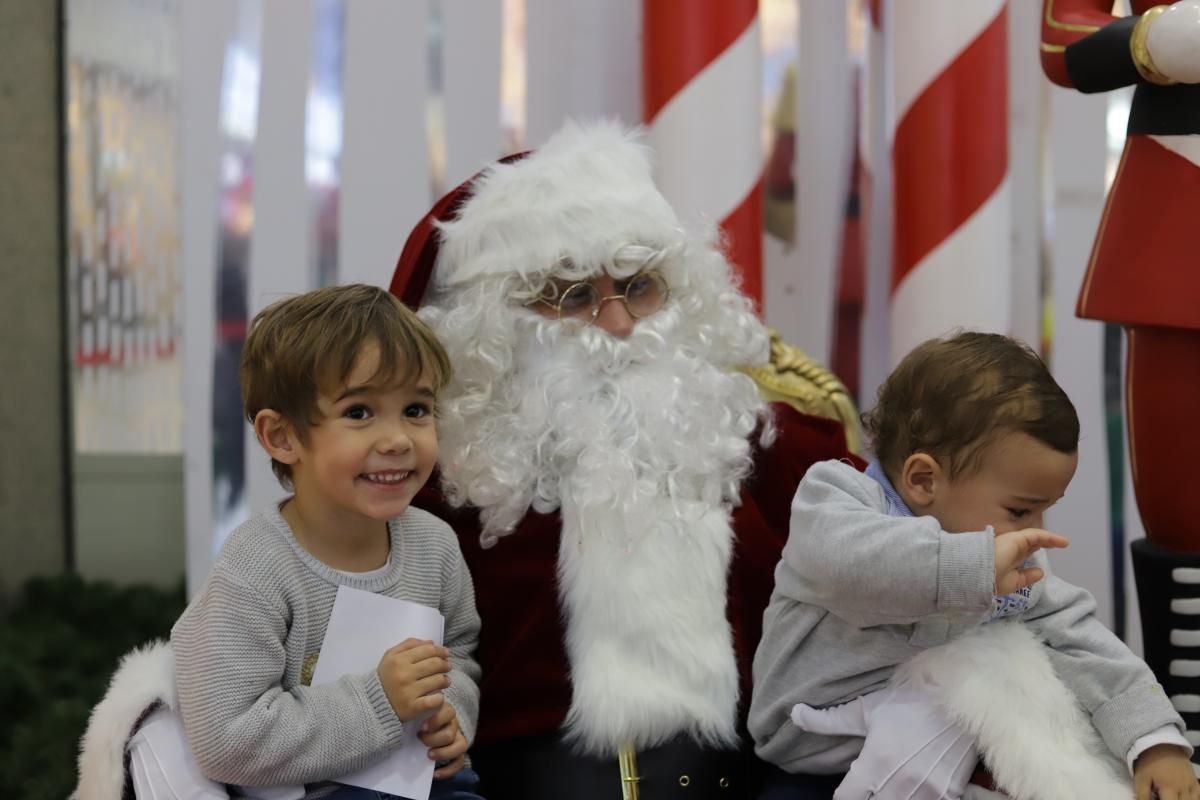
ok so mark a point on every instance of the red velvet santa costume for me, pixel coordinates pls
(1143, 275)
(621, 502)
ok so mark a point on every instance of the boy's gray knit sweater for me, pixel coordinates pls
(244, 642)
(859, 592)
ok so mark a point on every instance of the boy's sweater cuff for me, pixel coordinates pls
(381, 709)
(1132, 714)
(966, 571)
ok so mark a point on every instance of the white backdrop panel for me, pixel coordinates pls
(385, 180)
(204, 30)
(280, 242)
(804, 310)
(1027, 95)
(1077, 142)
(471, 90)
(583, 60)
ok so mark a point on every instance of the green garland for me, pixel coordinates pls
(60, 641)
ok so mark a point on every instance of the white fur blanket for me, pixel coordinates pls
(998, 684)
(144, 679)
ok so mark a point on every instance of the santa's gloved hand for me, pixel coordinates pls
(912, 751)
(848, 719)
(1173, 42)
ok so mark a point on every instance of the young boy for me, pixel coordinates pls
(340, 385)
(974, 441)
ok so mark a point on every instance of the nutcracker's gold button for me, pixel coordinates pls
(684, 780)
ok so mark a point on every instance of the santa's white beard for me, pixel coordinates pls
(643, 445)
(609, 423)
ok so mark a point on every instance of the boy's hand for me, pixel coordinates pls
(413, 675)
(441, 734)
(1164, 770)
(1013, 549)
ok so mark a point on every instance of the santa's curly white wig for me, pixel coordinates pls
(533, 402)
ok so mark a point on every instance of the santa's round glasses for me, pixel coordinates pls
(643, 294)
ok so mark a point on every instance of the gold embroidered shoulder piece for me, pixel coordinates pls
(794, 378)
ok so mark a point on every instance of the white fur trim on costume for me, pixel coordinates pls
(144, 678)
(584, 195)
(649, 642)
(999, 685)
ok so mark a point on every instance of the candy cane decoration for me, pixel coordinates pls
(701, 101)
(951, 259)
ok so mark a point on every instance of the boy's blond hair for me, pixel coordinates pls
(953, 397)
(304, 344)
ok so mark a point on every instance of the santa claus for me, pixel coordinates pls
(620, 486)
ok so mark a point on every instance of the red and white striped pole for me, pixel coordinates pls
(701, 77)
(952, 245)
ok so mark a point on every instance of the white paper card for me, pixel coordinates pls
(362, 627)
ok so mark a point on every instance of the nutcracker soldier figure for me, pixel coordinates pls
(1144, 274)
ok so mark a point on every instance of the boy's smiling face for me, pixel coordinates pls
(1017, 479)
(372, 447)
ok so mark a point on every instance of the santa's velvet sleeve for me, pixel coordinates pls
(524, 689)
(801, 440)
(761, 521)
